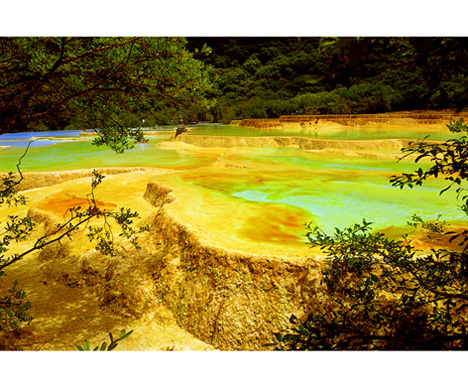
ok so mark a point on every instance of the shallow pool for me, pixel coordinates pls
(337, 189)
(80, 154)
(344, 134)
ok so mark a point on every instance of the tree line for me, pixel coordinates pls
(239, 77)
(260, 77)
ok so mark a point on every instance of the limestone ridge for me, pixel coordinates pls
(397, 119)
(45, 179)
(300, 142)
(231, 300)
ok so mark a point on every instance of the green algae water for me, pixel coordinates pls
(338, 134)
(337, 189)
(80, 154)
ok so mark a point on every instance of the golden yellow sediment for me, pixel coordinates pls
(223, 290)
(304, 143)
(214, 271)
(426, 120)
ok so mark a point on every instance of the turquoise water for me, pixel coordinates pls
(338, 190)
(80, 154)
(21, 140)
(349, 134)
(48, 138)
(341, 203)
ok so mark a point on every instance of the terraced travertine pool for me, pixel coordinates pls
(334, 188)
(250, 202)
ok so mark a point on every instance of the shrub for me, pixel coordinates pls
(382, 293)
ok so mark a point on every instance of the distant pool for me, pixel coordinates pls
(334, 134)
(78, 153)
(69, 149)
(31, 134)
(42, 138)
(47, 138)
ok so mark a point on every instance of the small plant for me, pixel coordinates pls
(104, 347)
(435, 226)
(14, 309)
(383, 294)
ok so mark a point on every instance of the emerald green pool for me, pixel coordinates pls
(81, 155)
(338, 190)
(343, 134)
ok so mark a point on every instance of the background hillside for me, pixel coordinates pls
(254, 77)
(260, 77)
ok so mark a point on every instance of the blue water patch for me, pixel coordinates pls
(30, 135)
(342, 207)
(40, 139)
(34, 144)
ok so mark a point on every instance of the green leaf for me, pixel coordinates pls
(125, 335)
(289, 337)
(112, 346)
(293, 319)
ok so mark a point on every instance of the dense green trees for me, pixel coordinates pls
(105, 84)
(249, 78)
(269, 77)
(381, 293)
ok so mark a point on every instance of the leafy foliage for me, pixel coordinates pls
(104, 347)
(381, 293)
(95, 83)
(331, 75)
(436, 226)
(18, 229)
(450, 160)
(14, 307)
(105, 84)
(111, 84)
